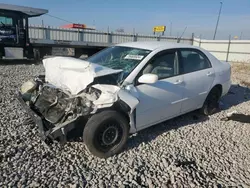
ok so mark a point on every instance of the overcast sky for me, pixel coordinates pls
(199, 16)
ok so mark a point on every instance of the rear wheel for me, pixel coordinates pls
(211, 103)
(106, 133)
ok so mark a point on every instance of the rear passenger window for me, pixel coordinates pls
(193, 60)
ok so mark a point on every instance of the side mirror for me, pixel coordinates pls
(148, 78)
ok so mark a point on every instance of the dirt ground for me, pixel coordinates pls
(241, 73)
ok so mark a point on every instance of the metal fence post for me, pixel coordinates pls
(44, 33)
(228, 49)
(81, 35)
(135, 37)
(110, 37)
(200, 41)
(78, 34)
(47, 33)
(159, 38)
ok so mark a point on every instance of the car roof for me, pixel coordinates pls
(30, 12)
(153, 45)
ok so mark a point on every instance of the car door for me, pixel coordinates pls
(198, 75)
(161, 100)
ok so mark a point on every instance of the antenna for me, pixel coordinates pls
(179, 39)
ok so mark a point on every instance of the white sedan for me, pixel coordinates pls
(123, 89)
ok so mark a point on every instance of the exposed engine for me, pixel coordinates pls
(55, 105)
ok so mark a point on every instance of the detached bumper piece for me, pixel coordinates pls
(47, 130)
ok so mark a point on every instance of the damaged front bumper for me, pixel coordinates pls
(55, 132)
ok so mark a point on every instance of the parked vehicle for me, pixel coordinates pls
(123, 89)
(15, 33)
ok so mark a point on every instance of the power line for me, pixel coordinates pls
(178, 41)
(58, 18)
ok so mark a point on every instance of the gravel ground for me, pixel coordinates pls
(188, 151)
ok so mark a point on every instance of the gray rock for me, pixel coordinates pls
(75, 178)
(89, 177)
(180, 152)
(126, 183)
(101, 184)
(150, 184)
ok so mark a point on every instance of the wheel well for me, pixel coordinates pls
(219, 87)
(122, 108)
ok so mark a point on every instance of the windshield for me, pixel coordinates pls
(120, 57)
(4, 20)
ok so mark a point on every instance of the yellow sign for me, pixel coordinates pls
(160, 28)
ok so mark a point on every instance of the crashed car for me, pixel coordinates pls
(121, 90)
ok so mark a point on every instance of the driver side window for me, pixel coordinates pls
(164, 64)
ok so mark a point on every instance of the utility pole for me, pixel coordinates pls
(170, 28)
(218, 20)
(240, 35)
(43, 29)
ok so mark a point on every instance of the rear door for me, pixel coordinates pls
(198, 75)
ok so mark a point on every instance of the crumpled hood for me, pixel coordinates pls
(73, 75)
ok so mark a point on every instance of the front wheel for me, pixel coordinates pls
(106, 133)
(211, 103)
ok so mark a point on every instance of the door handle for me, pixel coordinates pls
(178, 82)
(210, 73)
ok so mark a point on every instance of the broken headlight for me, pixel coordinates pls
(27, 88)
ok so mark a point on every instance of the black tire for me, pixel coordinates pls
(1, 53)
(211, 103)
(106, 133)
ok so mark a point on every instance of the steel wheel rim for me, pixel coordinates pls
(109, 135)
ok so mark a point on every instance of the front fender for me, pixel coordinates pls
(132, 102)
